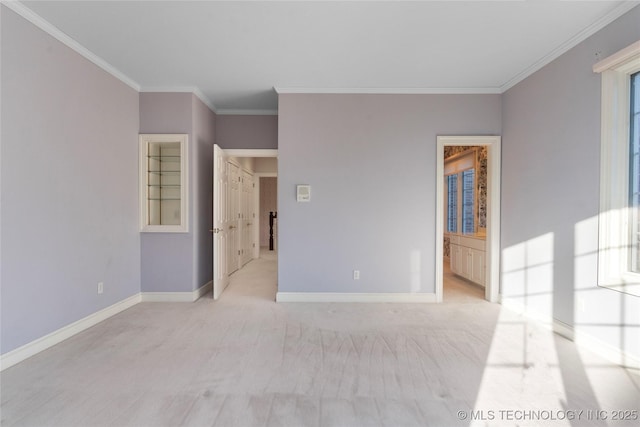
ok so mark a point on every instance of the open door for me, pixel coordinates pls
(220, 222)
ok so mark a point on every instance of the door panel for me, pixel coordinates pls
(477, 266)
(233, 257)
(248, 217)
(220, 222)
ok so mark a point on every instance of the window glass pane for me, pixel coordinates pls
(634, 173)
(468, 196)
(452, 203)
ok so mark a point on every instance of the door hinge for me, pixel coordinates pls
(238, 252)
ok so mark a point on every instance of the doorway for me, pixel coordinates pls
(236, 224)
(468, 258)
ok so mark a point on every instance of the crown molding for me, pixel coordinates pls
(183, 89)
(204, 98)
(231, 112)
(389, 90)
(571, 43)
(54, 32)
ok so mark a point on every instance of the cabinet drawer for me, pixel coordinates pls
(472, 243)
(455, 240)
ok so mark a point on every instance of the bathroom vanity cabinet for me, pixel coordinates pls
(468, 257)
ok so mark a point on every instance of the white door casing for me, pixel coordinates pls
(220, 222)
(492, 260)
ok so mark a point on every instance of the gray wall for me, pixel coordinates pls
(181, 262)
(550, 193)
(203, 137)
(167, 259)
(69, 185)
(250, 131)
(370, 161)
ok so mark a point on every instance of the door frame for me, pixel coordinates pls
(222, 282)
(492, 273)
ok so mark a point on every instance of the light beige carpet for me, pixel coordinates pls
(246, 361)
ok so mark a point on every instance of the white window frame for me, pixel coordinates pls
(614, 233)
(144, 141)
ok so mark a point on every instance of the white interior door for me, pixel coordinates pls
(220, 222)
(233, 208)
(248, 217)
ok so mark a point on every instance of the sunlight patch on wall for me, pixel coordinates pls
(527, 277)
(603, 318)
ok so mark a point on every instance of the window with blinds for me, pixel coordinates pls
(452, 203)
(468, 201)
(460, 177)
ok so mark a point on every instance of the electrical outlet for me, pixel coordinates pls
(100, 287)
(356, 274)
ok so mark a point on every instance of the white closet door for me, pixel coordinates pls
(233, 258)
(248, 217)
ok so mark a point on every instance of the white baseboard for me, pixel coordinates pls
(582, 339)
(203, 290)
(563, 329)
(34, 347)
(177, 296)
(167, 296)
(606, 350)
(355, 297)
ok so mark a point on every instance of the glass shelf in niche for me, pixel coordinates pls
(174, 173)
(165, 159)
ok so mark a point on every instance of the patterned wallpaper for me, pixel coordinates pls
(481, 184)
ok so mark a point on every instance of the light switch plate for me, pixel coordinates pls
(303, 193)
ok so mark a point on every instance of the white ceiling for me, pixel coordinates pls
(235, 52)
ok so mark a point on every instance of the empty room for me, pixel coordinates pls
(319, 213)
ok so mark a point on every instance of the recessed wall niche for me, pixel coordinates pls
(163, 183)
